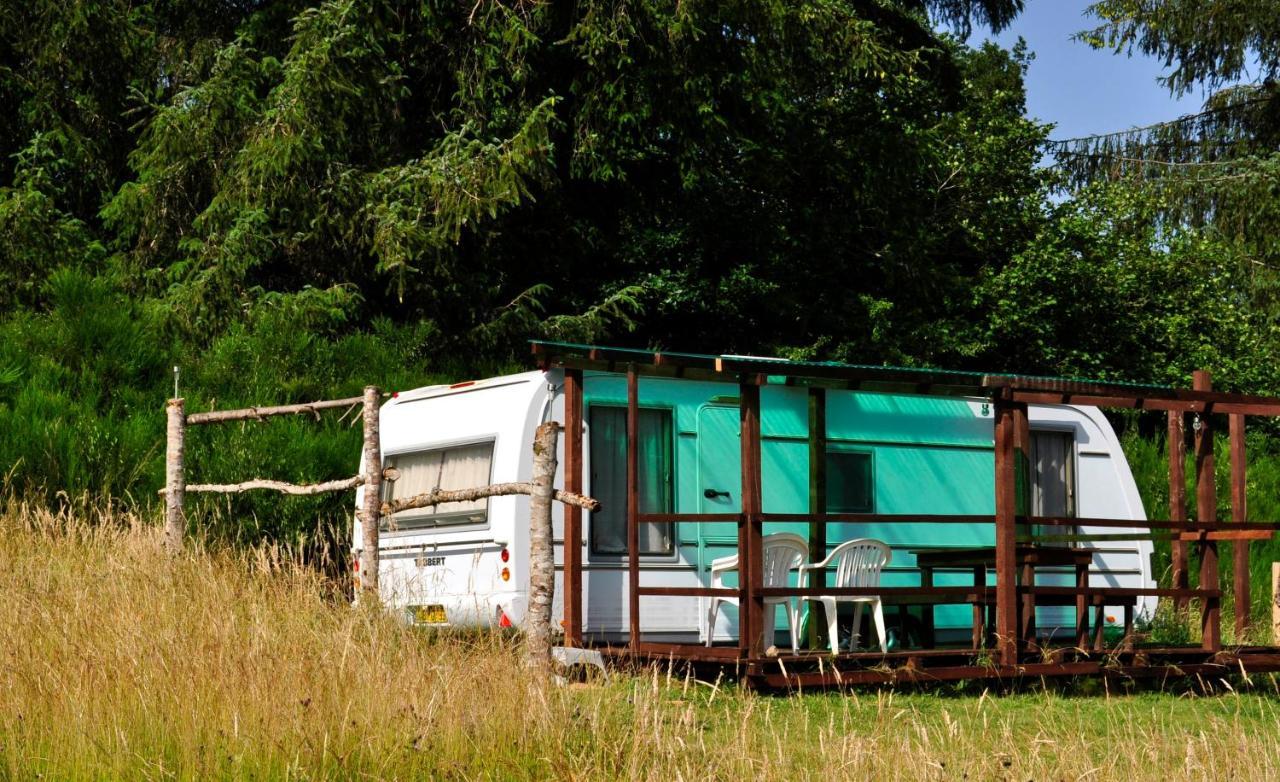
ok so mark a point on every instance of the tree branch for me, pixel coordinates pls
(468, 495)
(343, 484)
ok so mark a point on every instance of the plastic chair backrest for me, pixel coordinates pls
(783, 553)
(859, 562)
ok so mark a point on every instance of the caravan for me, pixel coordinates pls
(466, 563)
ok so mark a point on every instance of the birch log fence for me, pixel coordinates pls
(373, 509)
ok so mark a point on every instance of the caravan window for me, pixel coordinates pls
(608, 528)
(458, 467)
(1053, 474)
(849, 485)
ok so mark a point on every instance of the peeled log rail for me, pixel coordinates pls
(496, 490)
(255, 413)
(344, 484)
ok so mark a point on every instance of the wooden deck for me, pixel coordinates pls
(1013, 649)
(788, 671)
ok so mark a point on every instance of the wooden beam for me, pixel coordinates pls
(573, 515)
(257, 413)
(1239, 514)
(817, 492)
(1177, 443)
(1006, 535)
(633, 504)
(1207, 510)
(1022, 473)
(751, 538)
(1234, 534)
(1018, 388)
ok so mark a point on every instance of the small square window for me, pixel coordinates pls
(849, 488)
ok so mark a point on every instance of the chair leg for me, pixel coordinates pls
(877, 611)
(833, 632)
(793, 622)
(711, 620)
(769, 625)
(857, 626)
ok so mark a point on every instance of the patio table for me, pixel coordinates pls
(983, 558)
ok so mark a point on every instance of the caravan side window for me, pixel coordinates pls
(1053, 474)
(849, 484)
(458, 467)
(608, 529)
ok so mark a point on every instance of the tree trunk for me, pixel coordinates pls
(542, 571)
(175, 482)
(371, 510)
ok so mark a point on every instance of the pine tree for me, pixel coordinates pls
(1218, 168)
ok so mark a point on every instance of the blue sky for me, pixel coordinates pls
(1081, 90)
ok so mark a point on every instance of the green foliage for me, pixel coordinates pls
(1108, 290)
(289, 201)
(1217, 168)
(1242, 40)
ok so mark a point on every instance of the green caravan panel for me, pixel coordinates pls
(929, 455)
(784, 455)
(897, 418)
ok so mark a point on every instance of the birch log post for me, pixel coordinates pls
(1275, 602)
(371, 510)
(542, 571)
(175, 481)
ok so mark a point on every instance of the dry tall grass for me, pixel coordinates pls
(118, 664)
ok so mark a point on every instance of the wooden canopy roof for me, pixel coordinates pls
(1036, 389)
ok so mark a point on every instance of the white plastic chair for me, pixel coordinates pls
(783, 553)
(858, 564)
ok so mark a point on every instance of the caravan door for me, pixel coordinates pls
(719, 491)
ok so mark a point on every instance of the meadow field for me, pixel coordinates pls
(120, 664)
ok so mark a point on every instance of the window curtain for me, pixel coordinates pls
(609, 479)
(1051, 454)
(463, 467)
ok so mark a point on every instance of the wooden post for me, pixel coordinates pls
(175, 522)
(817, 499)
(573, 515)
(1022, 505)
(371, 512)
(750, 535)
(1275, 602)
(1207, 511)
(542, 564)
(1178, 499)
(1239, 513)
(633, 505)
(1006, 535)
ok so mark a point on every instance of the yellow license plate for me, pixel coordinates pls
(431, 615)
